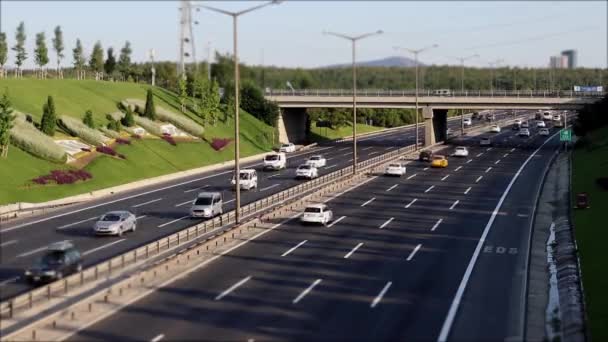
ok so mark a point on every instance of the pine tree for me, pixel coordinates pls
(213, 100)
(128, 119)
(96, 61)
(79, 62)
(49, 118)
(6, 123)
(41, 54)
(19, 48)
(58, 47)
(124, 61)
(88, 119)
(3, 54)
(110, 64)
(150, 111)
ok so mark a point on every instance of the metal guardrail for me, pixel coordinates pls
(434, 93)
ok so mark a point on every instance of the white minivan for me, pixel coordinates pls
(207, 205)
(248, 179)
(275, 161)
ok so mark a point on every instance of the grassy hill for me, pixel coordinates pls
(144, 158)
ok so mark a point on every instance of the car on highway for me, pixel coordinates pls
(115, 223)
(317, 213)
(540, 124)
(538, 115)
(475, 116)
(275, 161)
(59, 260)
(524, 132)
(467, 122)
(425, 155)
(546, 115)
(207, 205)
(557, 117)
(525, 124)
(317, 161)
(516, 126)
(448, 132)
(461, 151)
(287, 148)
(248, 179)
(439, 161)
(395, 169)
(544, 131)
(518, 121)
(485, 141)
(307, 171)
(495, 129)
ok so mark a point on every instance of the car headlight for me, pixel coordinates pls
(28, 272)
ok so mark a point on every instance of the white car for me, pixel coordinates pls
(461, 151)
(248, 179)
(307, 171)
(495, 129)
(317, 213)
(467, 122)
(518, 122)
(557, 117)
(287, 148)
(485, 142)
(547, 116)
(275, 161)
(115, 223)
(544, 131)
(524, 132)
(207, 205)
(395, 169)
(540, 124)
(317, 161)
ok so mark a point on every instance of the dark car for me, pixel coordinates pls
(515, 127)
(425, 155)
(538, 116)
(475, 116)
(61, 259)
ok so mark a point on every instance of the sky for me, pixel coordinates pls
(522, 33)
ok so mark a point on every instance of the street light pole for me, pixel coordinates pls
(462, 60)
(353, 40)
(237, 171)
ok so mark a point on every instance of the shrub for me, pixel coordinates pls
(25, 136)
(149, 110)
(63, 177)
(219, 144)
(168, 138)
(49, 117)
(78, 129)
(88, 119)
(128, 119)
(110, 133)
(149, 125)
(180, 121)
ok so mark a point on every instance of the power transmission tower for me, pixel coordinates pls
(186, 37)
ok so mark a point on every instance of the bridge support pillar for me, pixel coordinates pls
(435, 125)
(292, 125)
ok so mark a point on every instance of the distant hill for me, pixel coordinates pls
(394, 61)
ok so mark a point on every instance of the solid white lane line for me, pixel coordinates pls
(478, 179)
(353, 250)
(444, 178)
(157, 338)
(436, 225)
(305, 292)
(392, 187)
(426, 168)
(412, 176)
(8, 243)
(230, 201)
(202, 187)
(37, 250)
(479, 155)
(270, 187)
(142, 204)
(8, 281)
(453, 205)
(429, 189)
(488, 169)
(458, 168)
(170, 222)
(368, 202)
(336, 221)
(412, 202)
(505, 155)
(496, 162)
(77, 223)
(467, 190)
(294, 248)
(381, 294)
(232, 288)
(387, 222)
(184, 203)
(411, 256)
(332, 166)
(470, 160)
(102, 247)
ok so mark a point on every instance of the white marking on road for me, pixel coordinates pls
(8, 281)
(453, 205)
(142, 204)
(368, 202)
(489, 149)
(387, 222)
(232, 288)
(157, 338)
(353, 250)
(140, 217)
(276, 174)
(505, 155)
(470, 160)
(350, 160)
(294, 248)
(478, 179)
(305, 292)
(184, 203)
(367, 148)
(488, 169)
(436, 225)
(513, 149)
(444, 178)
(411, 256)
(332, 166)
(8, 243)
(328, 159)
(202, 187)
(230, 201)
(429, 189)
(426, 168)
(496, 162)
(270, 187)
(467, 190)
(344, 148)
(458, 168)
(479, 155)
(392, 187)
(336, 221)
(412, 202)
(37, 250)
(388, 148)
(77, 223)
(381, 294)
(412, 176)
(102, 247)
(170, 222)
(375, 152)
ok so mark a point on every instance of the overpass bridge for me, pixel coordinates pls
(293, 104)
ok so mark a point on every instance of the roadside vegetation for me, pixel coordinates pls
(319, 134)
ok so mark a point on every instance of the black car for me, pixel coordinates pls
(61, 259)
(515, 127)
(425, 155)
(475, 116)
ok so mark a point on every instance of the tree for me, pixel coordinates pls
(3, 54)
(41, 54)
(110, 65)
(128, 119)
(124, 60)
(96, 61)
(79, 61)
(58, 47)
(182, 92)
(213, 100)
(6, 123)
(150, 111)
(88, 119)
(49, 118)
(19, 48)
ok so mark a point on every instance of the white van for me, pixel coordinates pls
(207, 205)
(275, 161)
(248, 179)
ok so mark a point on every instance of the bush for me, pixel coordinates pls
(110, 133)
(49, 117)
(63, 177)
(168, 138)
(150, 126)
(180, 121)
(26, 137)
(219, 144)
(88, 119)
(128, 119)
(149, 110)
(78, 129)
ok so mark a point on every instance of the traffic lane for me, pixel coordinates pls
(502, 264)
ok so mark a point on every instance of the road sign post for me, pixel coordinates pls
(565, 135)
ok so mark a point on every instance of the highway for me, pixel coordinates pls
(163, 209)
(388, 268)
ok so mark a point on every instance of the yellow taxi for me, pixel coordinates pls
(439, 161)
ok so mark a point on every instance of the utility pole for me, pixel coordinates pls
(462, 60)
(152, 68)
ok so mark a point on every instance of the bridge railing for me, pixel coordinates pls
(438, 93)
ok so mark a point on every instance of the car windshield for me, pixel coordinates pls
(438, 158)
(394, 165)
(460, 148)
(304, 167)
(315, 158)
(272, 157)
(285, 145)
(51, 258)
(203, 201)
(112, 217)
(244, 176)
(312, 210)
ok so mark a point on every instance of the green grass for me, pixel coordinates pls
(326, 133)
(591, 229)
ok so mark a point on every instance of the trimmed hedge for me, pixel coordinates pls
(77, 128)
(28, 138)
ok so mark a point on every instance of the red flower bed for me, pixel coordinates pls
(63, 177)
(219, 144)
(106, 150)
(168, 138)
(122, 141)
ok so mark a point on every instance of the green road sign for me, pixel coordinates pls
(565, 135)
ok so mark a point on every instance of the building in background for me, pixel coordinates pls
(571, 56)
(555, 62)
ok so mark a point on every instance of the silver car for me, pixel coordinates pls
(115, 223)
(207, 205)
